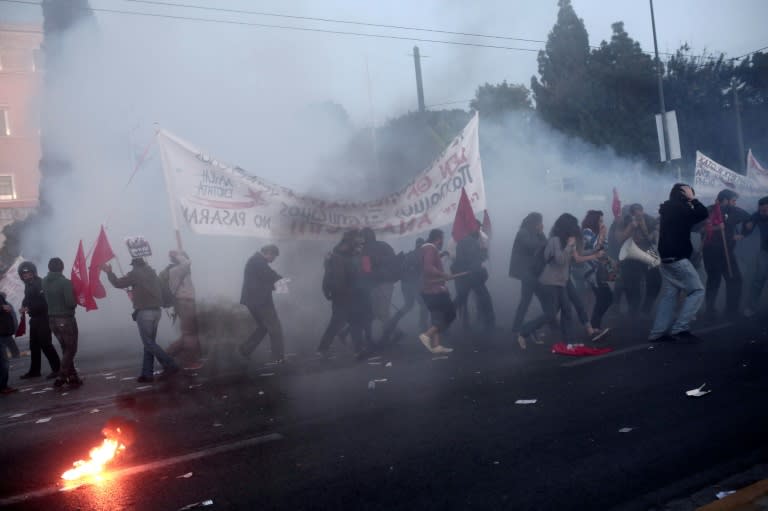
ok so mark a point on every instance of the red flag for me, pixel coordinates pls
(22, 329)
(465, 222)
(715, 219)
(102, 253)
(616, 204)
(487, 224)
(79, 277)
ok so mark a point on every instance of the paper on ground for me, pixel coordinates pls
(698, 392)
(526, 401)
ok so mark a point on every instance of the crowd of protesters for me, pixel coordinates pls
(648, 260)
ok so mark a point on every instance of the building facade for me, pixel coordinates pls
(20, 94)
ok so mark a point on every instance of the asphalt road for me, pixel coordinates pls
(434, 433)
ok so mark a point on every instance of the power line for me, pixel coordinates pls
(285, 27)
(750, 53)
(460, 101)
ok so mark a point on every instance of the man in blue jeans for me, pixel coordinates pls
(146, 296)
(678, 216)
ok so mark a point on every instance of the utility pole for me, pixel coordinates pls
(660, 77)
(739, 131)
(419, 84)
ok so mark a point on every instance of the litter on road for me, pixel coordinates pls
(625, 430)
(43, 420)
(204, 503)
(111, 377)
(722, 494)
(698, 392)
(526, 401)
(95, 410)
(380, 380)
(389, 364)
(184, 476)
(144, 387)
(17, 415)
(267, 374)
(440, 358)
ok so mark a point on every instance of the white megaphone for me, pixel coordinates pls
(630, 250)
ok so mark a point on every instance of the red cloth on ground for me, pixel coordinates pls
(578, 350)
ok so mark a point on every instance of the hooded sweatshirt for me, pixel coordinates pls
(678, 217)
(59, 294)
(34, 300)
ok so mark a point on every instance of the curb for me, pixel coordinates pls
(741, 500)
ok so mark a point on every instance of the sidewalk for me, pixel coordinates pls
(751, 494)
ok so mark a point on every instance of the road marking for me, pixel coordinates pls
(154, 465)
(639, 347)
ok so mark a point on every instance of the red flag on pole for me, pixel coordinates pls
(79, 277)
(102, 253)
(616, 204)
(715, 219)
(465, 222)
(487, 224)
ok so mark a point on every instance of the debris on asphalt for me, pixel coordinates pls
(217, 424)
(224, 396)
(17, 415)
(196, 385)
(95, 410)
(111, 377)
(388, 364)
(267, 374)
(380, 380)
(144, 387)
(526, 401)
(722, 494)
(184, 476)
(40, 391)
(64, 393)
(371, 359)
(110, 374)
(650, 348)
(195, 505)
(495, 462)
(127, 378)
(43, 420)
(261, 392)
(625, 430)
(25, 389)
(374, 363)
(440, 358)
(698, 392)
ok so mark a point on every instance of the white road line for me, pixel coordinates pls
(639, 347)
(154, 465)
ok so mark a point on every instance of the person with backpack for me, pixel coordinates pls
(527, 249)
(61, 300)
(146, 295)
(557, 257)
(341, 285)
(7, 331)
(258, 284)
(40, 339)
(380, 272)
(409, 287)
(179, 292)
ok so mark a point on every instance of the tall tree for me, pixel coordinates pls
(493, 101)
(563, 83)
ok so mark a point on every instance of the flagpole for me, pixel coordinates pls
(174, 213)
(725, 249)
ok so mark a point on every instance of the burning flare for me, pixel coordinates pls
(99, 457)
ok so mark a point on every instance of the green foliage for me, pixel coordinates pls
(493, 101)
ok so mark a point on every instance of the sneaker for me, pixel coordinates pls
(27, 376)
(52, 375)
(522, 342)
(663, 338)
(441, 349)
(600, 333)
(426, 341)
(145, 379)
(686, 336)
(8, 390)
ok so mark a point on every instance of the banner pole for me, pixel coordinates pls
(174, 213)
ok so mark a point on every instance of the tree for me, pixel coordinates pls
(493, 101)
(563, 83)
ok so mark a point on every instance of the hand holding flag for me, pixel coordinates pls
(80, 285)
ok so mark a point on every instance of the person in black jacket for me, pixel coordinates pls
(40, 338)
(470, 256)
(7, 330)
(529, 240)
(678, 217)
(258, 283)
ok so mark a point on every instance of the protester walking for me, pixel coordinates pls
(471, 255)
(379, 274)
(410, 280)
(146, 295)
(529, 241)
(60, 297)
(7, 330)
(258, 284)
(178, 277)
(40, 339)
(596, 274)
(435, 293)
(679, 215)
(760, 220)
(641, 282)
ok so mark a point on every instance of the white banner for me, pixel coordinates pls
(711, 177)
(217, 198)
(757, 171)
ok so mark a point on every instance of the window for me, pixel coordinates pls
(6, 188)
(5, 128)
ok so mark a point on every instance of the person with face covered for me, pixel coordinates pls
(641, 282)
(719, 259)
(758, 220)
(179, 278)
(40, 338)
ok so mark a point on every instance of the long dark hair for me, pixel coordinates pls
(564, 227)
(531, 221)
(592, 220)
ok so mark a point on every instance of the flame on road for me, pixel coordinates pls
(99, 457)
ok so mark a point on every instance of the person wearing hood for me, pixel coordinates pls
(146, 295)
(40, 339)
(178, 275)
(8, 325)
(679, 215)
(60, 296)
